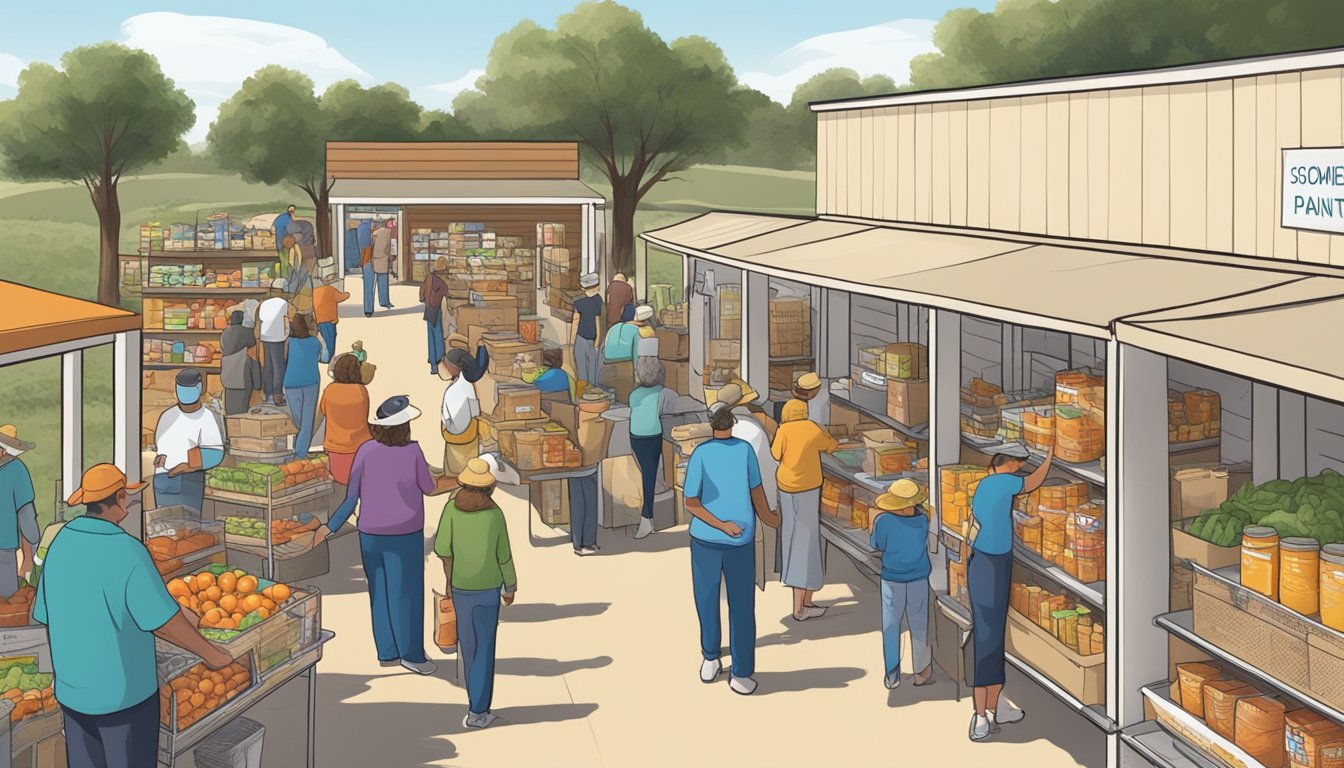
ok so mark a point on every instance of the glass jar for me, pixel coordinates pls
(1332, 586)
(1300, 575)
(1260, 560)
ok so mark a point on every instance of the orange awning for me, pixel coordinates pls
(32, 318)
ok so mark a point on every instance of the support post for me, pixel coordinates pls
(588, 239)
(756, 330)
(72, 420)
(338, 236)
(1264, 433)
(126, 426)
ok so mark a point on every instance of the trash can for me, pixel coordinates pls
(236, 745)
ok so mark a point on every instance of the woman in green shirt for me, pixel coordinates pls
(473, 542)
(648, 402)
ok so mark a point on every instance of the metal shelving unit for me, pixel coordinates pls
(916, 433)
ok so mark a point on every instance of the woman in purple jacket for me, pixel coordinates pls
(389, 480)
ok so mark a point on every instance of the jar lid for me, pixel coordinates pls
(1333, 553)
(1259, 532)
(1300, 543)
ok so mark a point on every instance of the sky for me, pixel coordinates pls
(438, 48)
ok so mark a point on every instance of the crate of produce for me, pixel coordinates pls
(177, 536)
(197, 692)
(17, 609)
(981, 393)
(249, 481)
(30, 691)
(267, 618)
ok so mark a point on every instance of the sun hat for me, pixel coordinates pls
(809, 381)
(394, 411)
(477, 474)
(589, 280)
(643, 313)
(729, 395)
(794, 410)
(100, 482)
(902, 494)
(620, 277)
(10, 442)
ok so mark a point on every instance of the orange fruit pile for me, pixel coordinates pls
(223, 602)
(29, 703)
(200, 690)
(15, 611)
(300, 471)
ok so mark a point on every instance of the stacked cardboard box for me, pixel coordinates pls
(730, 311)
(1068, 622)
(563, 265)
(674, 315)
(1193, 416)
(958, 487)
(790, 327)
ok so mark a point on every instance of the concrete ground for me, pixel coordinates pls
(598, 660)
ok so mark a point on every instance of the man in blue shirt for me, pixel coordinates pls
(103, 603)
(989, 581)
(18, 516)
(722, 490)
(281, 227)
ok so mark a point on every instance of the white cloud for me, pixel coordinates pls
(10, 67)
(441, 95)
(882, 49)
(210, 56)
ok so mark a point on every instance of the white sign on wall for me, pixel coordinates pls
(1313, 189)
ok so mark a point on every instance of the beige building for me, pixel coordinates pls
(1170, 239)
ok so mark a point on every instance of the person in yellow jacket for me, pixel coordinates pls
(798, 446)
(460, 418)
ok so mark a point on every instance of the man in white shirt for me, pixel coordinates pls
(750, 430)
(188, 441)
(459, 421)
(273, 318)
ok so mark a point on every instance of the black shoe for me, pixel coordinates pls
(368, 314)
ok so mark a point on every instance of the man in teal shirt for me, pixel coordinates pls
(103, 603)
(18, 516)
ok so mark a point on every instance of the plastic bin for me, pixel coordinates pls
(236, 745)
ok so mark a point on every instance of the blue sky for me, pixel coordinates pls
(437, 48)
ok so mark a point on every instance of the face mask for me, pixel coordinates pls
(188, 395)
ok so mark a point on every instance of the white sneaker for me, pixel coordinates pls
(892, 680)
(645, 528)
(709, 670)
(1006, 714)
(979, 727)
(810, 612)
(479, 721)
(420, 668)
(743, 685)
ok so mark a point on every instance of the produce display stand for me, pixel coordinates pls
(309, 500)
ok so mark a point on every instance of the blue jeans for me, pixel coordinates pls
(583, 511)
(477, 620)
(909, 601)
(394, 567)
(711, 565)
(328, 331)
(187, 490)
(367, 272)
(435, 334)
(383, 298)
(125, 739)
(648, 452)
(303, 412)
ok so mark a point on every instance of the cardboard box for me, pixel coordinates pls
(1187, 547)
(512, 358)
(1082, 676)
(1197, 487)
(589, 431)
(673, 344)
(1325, 659)
(724, 350)
(517, 403)
(918, 353)
(677, 376)
(1253, 630)
(551, 498)
(908, 401)
(260, 423)
(494, 317)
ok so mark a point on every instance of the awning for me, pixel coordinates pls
(34, 319)
(1282, 335)
(463, 192)
(1076, 290)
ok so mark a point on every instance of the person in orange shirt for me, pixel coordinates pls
(798, 446)
(345, 406)
(326, 301)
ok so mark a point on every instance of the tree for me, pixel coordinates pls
(768, 138)
(108, 111)
(438, 125)
(834, 83)
(642, 108)
(1033, 39)
(274, 130)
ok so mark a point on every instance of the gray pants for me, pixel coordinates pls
(909, 601)
(586, 360)
(273, 372)
(801, 535)
(583, 511)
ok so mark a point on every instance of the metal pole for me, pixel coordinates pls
(312, 715)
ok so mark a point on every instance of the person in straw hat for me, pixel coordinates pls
(901, 534)
(104, 603)
(387, 480)
(478, 570)
(18, 516)
(799, 443)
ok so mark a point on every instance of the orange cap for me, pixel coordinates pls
(100, 482)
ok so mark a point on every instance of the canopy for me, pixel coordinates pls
(34, 318)
(463, 191)
(1279, 335)
(1077, 290)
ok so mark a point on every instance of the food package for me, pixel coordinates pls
(1027, 530)
(887, 453)
(1038, 426)
(1082, 389)
(1080, 436)
(959, 482)
(1067, 496)
(1220, 704)
(1313, 740)
(1260, 730)
(1193, 677)
(445, 634)
(1054, 524)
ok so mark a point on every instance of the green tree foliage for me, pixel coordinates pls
(834, 83)
(275, 128)
(438, 125)
(641, 107)
(768, 138)
(1032, 39)
(108, 111)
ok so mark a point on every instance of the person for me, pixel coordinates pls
(285, 264)
(188, 441)
(383, 264)
(460, 414)
(807, 389)
(799, 443)
(478, 569)
(364, 240)
(433, 293)
(351, 246)
(551, 377)
(477, 366)
(619, 294)
(345, 408)
(388, 480)
(583, 329)
(302, 376)
(751, 427)
(273, 317)
(649, 400)
(989, 581)
(901, 534)
(281, 228)
(18, 515)
(326, 311)
(103, 603)
(238, 370)
(724, 496)
(622, 347)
